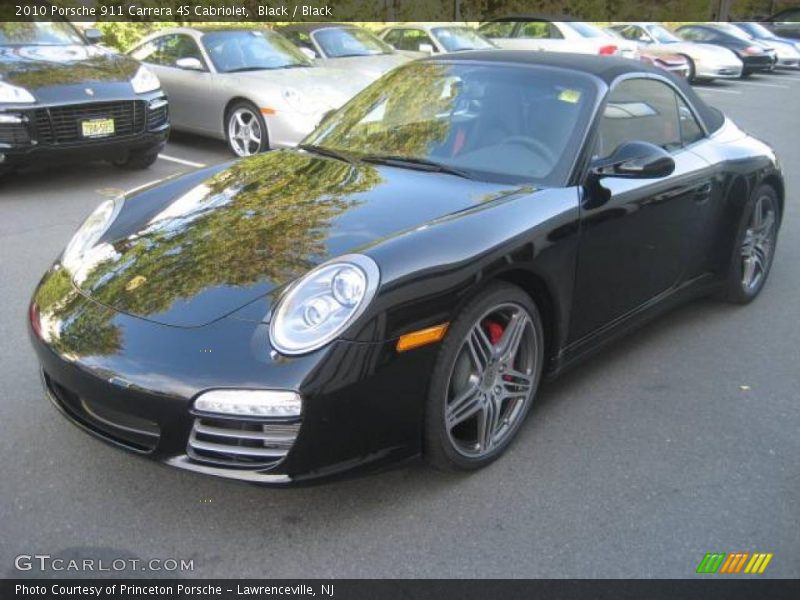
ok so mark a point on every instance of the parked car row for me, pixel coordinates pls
(61, 94)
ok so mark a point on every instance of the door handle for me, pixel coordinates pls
(703, 192)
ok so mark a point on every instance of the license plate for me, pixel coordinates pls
(97, 128)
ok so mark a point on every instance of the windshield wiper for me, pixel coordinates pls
(329, 152)
(420, 164)
(242, 69)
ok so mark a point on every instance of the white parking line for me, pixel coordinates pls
(769, 85)
(181, 161)
(704, 89)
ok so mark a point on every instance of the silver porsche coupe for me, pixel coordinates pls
(251, 87)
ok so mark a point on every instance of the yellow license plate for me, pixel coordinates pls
(97, 128)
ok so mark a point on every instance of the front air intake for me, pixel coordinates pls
(240, 443)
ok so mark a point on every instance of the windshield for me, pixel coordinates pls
(38, 33)
(495, 122)
(663, 35)
(455, 39)
(233, 51)
(350, 41)
(757, 30)
(733, 30)
(586, 30)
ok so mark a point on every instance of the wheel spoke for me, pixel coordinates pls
(748, 271)
(240, 120)
(480, 348)
(516, 383)
(464, 406)
(758, 214)
(487, 426)
(512, 336)
(767, 223)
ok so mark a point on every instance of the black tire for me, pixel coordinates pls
(244, 107)
(692, 75)
(737, 290)
(137, 161)
(441, 449)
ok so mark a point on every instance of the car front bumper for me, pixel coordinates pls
(286, 129)
(712, 70)
(132, 383)
(47, 133)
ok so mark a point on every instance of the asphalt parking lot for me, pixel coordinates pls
(681, 440)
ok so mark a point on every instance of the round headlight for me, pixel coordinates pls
(321, 305)
(92, 229)
(145, 81)
(15, 94)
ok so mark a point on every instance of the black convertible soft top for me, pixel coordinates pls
(607, 68)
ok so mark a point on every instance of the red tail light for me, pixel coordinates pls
(753, 50)
(606, 50)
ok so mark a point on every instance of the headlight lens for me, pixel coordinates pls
(145, 81)
(300, 102)
(92, 229)
(322, 304)
(15, 94)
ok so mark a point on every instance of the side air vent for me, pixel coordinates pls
(240, 443)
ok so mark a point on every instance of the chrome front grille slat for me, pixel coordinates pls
(239, 450)
(276, 438)
(240, 442)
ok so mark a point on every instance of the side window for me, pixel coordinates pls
(300, 39)
(497, 29)
(149, 52)
(411, 39)
(535, 29)
(640, 110)
(176, 46)
(637, 34)
(690, 128)
(392, 37)
(690, 33)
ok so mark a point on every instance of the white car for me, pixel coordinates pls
(344, 46)
(251, 87)
(788, 51)
(706, 61)
(522, 33)
(434, 38)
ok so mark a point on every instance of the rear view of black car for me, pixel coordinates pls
(63, 97)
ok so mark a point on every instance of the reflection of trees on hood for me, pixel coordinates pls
(411, 97)
(264, 219)
(71, 325)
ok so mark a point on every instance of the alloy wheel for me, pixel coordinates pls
(492, 380)
(758, 244)
(244, 132)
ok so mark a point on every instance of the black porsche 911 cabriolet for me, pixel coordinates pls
(402, 282)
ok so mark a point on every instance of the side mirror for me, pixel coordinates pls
(93, 36)
(635, 160)
(190, 63)
(426, 48)
(309, 53)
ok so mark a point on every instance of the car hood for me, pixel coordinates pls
(197, 249)
(331, 87)
(41, 68)
(370, 66)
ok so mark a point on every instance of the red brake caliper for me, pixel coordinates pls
(495, 332)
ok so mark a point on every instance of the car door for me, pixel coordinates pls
(640, 237)
(500, 32)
